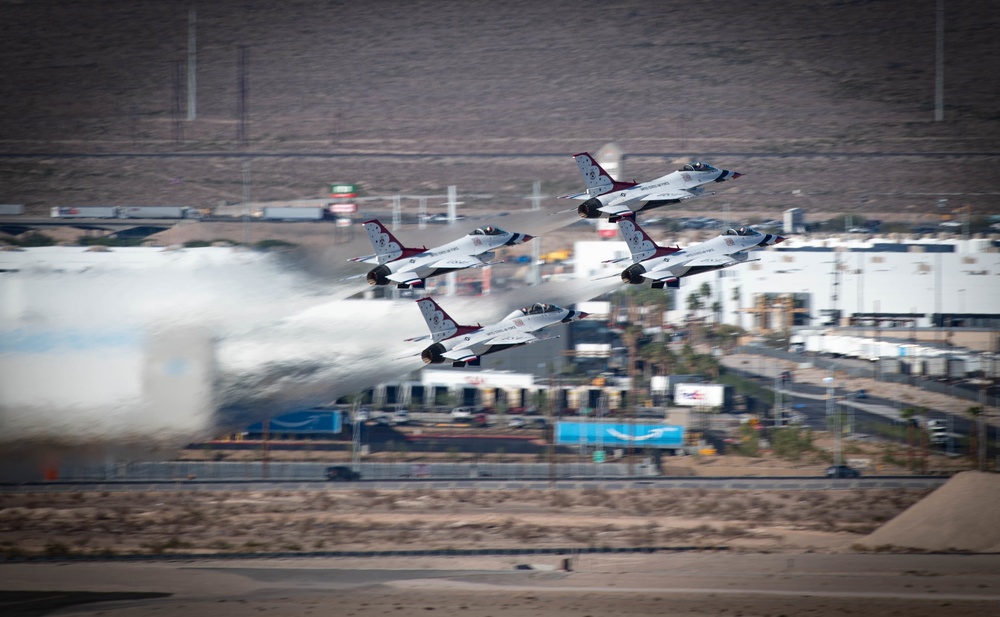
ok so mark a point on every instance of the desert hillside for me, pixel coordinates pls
(827, 106)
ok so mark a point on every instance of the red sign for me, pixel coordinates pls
(343, 208)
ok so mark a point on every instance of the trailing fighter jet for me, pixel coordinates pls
(466, 344)
(408, 267)
(664, 266)
(605, 195)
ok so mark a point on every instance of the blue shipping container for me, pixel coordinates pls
(642, 435)
(305, 422)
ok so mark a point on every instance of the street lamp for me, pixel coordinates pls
(832, 418)
(779, 383)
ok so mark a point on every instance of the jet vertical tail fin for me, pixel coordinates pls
(387, 247)
(440, 324)
(598, 181)
(640, 245)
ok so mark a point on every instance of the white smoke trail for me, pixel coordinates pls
(142, 343)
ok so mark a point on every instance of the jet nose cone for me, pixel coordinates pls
(734, 175)
(518, 239)
(582, 315)
(778, 239)
(574, 316)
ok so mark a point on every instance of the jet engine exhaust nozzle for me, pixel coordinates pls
(379, 275)
(633, 274)
(432, 355)
(589, 209)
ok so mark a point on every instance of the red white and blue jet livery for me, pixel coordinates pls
(408, 267)
(665, 266)
(606, 196)
(464, 345)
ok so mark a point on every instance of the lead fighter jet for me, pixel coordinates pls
(664, 266)
(466, 344)
(408, 267)
(607, 196)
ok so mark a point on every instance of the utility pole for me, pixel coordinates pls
(939, 64)
(551, 428)
(243, 87)
(175, 109)
(192, 63)
(833, 418)
(355, 438)
(777, 397)
(246, 203)
(536, 246)
(632, 341)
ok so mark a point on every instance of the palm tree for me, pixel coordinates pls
(694, 302)
(705, 291)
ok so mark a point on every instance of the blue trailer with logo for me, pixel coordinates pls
(311, 423)
(620, 435)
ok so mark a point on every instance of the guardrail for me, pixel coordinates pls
(805, 483)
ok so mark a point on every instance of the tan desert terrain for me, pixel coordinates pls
(858, 552)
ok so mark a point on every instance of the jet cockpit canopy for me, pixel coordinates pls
(488, 230)
(698, 166)
(538, 308)
(742, 231)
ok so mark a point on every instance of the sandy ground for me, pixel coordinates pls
(804, 571)
(662, 584)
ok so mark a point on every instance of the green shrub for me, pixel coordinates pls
(265, 245)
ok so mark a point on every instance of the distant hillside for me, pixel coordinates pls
(824, 105)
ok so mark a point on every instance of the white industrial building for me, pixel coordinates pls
(875, 278)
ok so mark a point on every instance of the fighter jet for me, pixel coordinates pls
(408, 267)
(464, 345)
(664, 266)
(605, 195)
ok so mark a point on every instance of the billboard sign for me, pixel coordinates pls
(343, 208)
(609, 434)
(343, 190)
(304, 422)
(699, 395)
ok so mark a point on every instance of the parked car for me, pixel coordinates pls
(517, 422)
(401, 416)
(442, 217)
(342, 473)
(362, 414)
(461, 414)
(860, 394)
(842, 471)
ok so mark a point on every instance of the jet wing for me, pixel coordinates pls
(659, 275)
(673, 195)
(713, 260)
(406, 277)
(577, 196)
(368, 259)
(516, 338)
(615, 210)
(463, 354)
(457, 263)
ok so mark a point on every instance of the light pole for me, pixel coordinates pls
(778, 404)
(832, 418)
